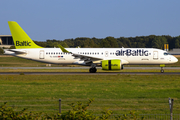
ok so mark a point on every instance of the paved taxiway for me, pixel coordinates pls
(87, 73)
(175, 68)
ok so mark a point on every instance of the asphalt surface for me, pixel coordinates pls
(87, 73)
(85, 68)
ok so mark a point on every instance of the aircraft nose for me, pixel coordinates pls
(174, 59)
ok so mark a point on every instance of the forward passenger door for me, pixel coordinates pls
(155, 55)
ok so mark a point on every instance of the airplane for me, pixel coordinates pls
(107, 58)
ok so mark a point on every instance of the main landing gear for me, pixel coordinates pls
(93, 69)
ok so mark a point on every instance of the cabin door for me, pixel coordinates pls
(155, 55)
(41, 54)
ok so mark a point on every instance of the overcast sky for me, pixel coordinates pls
(64, 19)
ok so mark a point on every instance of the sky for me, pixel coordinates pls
(66, 19)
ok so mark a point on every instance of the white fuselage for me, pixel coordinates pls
(126, 55)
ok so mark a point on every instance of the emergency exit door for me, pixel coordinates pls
(106, 53)
(41, 54)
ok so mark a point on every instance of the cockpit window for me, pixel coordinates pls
(166, 53)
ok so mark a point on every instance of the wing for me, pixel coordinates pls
(86, 58)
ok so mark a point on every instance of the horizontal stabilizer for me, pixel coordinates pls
(17, 52)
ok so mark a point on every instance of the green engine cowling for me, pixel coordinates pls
(111, 64)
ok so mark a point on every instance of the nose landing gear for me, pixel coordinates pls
(162, 70)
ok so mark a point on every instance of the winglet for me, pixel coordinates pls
(20, 38)
(63, 49)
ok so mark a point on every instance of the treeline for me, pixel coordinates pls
(151, 41)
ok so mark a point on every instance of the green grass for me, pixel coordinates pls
(120, 93)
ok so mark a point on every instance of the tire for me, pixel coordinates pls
(92, 70)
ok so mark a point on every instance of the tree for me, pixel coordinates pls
(63, 43)
(12, 47)
(1, 51)
(177, 43)
(159, 42)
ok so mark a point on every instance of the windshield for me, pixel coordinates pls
(166, 53)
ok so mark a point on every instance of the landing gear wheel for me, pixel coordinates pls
(162, 70)
(92, 70)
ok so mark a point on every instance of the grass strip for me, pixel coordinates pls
(144, 94)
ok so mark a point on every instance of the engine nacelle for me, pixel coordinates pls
(111, 64)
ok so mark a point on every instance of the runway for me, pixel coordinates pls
(176, 68)
(87, 73)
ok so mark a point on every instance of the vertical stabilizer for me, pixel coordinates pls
(20, 38)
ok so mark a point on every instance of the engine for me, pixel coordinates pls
(111, 65)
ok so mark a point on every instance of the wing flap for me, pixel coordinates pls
(86, 57)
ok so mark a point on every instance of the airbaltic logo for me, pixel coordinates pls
(24, 43)
(111, 64)
(129, 52)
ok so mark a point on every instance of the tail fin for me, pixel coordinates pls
(20, 38)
